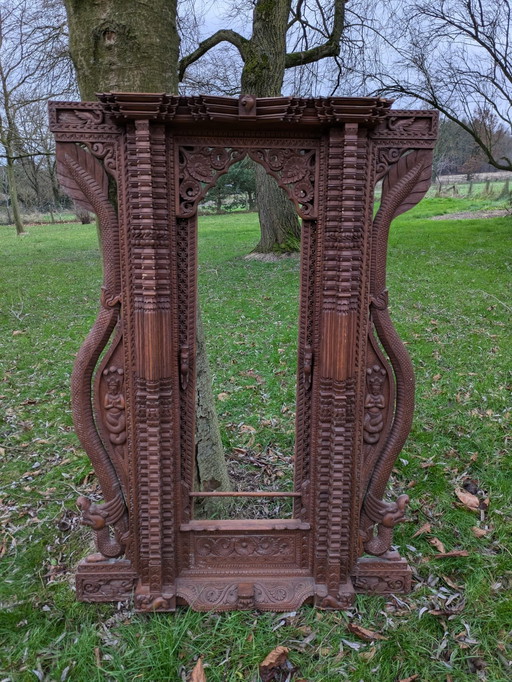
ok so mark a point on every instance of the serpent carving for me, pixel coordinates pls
(84, 176)
(403, 187)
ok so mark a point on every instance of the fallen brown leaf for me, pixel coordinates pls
(198, 674)
(223, 397)
(453, 553)
(451, 583)
(276, 658)
(479, 532)
(426, 528)
(368, 655)
(409, 679)
(469, 500)
(438, 545)
(364, 633)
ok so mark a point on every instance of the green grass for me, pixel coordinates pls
(450, 296)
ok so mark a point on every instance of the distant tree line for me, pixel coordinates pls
(453, 55)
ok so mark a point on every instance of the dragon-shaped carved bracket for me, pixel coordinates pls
(404, 145)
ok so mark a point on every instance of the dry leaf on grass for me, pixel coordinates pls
(364, 633)
(273, 664)
(453, 553)
(469, 500)
(198, 674)
(223, 396)
(451, 583)
(410, 679)
(438, 545)
(426, 528)
(368, 655)
(479, 532)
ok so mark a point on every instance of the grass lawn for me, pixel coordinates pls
(451, 299)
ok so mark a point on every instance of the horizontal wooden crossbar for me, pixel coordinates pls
(256, 493)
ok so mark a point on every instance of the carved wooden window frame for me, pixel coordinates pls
(134, 410)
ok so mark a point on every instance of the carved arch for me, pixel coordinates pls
(201, 166)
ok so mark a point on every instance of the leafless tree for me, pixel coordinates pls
(273, 37)
(454, 55)
(33, 66)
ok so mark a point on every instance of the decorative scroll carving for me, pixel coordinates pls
(106, 151)
(386, 157)
(265, 595)
(294, 171)
(280, 548)
(105, 580)
(200, 167)
(381, 576)
(199, 170)
(354, 379)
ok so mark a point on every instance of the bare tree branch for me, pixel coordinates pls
(224, 35)
(330, 48)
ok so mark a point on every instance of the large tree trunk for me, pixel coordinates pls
(127, 45)
(123, 45)
(262, 76)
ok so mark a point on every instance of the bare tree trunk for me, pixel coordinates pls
(262, 76)
(280, 229)
(208, 442)
(13, 196)
(133, 46)
(50, 165)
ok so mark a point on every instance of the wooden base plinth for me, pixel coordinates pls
(105, 580)
(115, 580)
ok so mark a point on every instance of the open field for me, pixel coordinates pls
(451, 299)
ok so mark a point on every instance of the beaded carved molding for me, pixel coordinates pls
(141, 163)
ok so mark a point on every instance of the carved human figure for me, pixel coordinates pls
(374, 404)
(114, 404)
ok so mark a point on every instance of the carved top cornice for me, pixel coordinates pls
(119, 107)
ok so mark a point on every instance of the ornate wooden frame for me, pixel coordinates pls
(134, 411)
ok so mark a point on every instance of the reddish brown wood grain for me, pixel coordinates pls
(134, 412)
